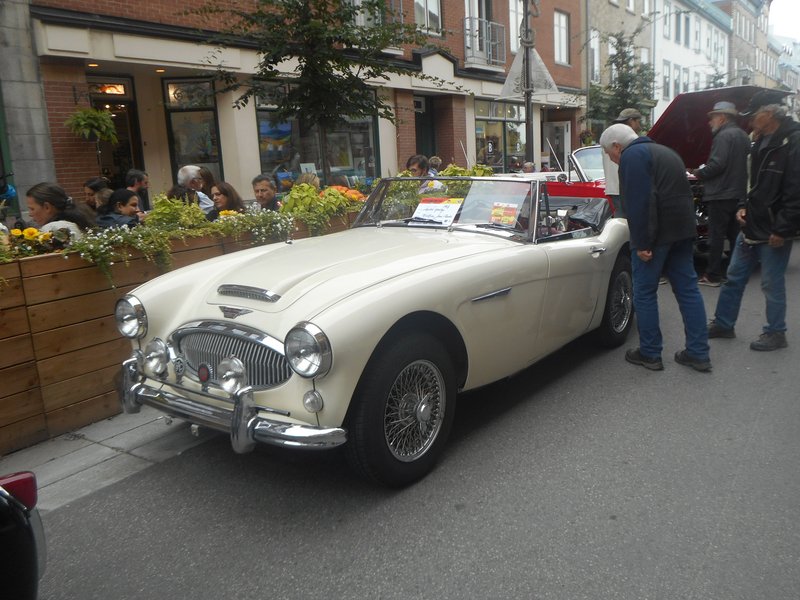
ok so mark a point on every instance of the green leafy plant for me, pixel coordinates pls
(169, 221)
(316, 208)
(93, 124)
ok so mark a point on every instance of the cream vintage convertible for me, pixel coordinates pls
(363, 338)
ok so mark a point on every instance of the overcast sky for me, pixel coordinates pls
(784, 18)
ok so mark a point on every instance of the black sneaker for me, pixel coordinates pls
(767, 342)
(698, 364)
(715, 330)
(635, 357)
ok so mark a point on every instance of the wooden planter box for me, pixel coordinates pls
(60, 351)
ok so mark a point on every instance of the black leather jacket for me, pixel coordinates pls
(725, 172)
(773, 204)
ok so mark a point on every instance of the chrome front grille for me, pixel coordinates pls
(207, 343)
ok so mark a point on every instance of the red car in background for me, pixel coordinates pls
(684, 128)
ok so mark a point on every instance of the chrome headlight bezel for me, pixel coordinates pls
(308, 350)
(130, 316)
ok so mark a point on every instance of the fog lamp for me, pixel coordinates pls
(231, 376)
(156, 358)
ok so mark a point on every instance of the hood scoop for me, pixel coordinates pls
(247, 291)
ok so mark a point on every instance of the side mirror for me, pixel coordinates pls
(562, 177)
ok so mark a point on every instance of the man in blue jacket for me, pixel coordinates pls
(661, 219)
(770, 219)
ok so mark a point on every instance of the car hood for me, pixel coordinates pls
(684, 124)
(321, 271)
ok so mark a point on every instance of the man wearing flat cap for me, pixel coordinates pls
(770, 219)
(724, 179)
(630, 117)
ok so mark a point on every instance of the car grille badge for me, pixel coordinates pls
(229, 312)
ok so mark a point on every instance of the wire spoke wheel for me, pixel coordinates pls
(414, 410)
(621, 301)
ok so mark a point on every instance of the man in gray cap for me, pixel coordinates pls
(724, 179)
(770, 219)
(630, 117)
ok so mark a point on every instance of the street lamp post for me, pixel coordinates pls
(527, 41)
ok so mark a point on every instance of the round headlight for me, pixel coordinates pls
(131, 317)
(231, 374)
(156, 357)
(308, 350)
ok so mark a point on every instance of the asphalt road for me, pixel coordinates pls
(583, 477)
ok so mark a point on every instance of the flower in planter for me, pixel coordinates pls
(32, 242)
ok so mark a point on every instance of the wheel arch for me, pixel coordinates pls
(441, 328)
(431, 323)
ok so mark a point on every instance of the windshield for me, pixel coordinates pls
(590, 160)
(489, 204)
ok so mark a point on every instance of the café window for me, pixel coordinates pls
(500, 135)
(192, 124)
(288, 148)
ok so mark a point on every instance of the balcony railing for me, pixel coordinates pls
(484, 43)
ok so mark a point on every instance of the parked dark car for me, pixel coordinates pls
(22, 546)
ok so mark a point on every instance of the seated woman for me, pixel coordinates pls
(122, 210)
(225, 198)
(52, 209)
(92, 187)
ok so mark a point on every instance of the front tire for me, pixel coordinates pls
(618, 313)
(402, 411)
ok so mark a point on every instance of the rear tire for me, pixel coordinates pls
(618, 312)
(402, 411)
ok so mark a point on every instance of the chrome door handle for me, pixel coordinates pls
(597, 249)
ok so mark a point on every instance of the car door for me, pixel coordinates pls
(578, 264)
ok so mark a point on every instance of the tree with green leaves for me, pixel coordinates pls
(337, 47)
(631, 81)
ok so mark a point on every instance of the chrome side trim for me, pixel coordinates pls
(495, 294)
(247, 291)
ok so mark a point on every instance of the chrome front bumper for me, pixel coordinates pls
(242, 422)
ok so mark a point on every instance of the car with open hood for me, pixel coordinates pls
(364, 338)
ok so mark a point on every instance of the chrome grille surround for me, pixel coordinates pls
(208, 342)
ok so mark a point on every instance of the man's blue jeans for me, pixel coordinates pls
(676, 262)
(745, 258)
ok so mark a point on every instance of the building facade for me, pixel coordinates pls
(750, 59)
(148, 63)
(691, 48)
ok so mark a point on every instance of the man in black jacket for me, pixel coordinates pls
(770, 219)
(725, 185)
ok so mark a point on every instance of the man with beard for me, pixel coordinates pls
(724, 179)
(770, 219)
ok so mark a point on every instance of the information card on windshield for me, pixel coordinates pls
(437, 211)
